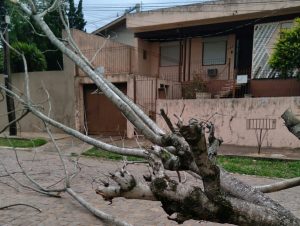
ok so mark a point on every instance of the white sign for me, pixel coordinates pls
(241, 79)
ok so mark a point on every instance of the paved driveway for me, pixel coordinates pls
(47, 169)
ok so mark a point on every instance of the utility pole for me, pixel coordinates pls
(5, 20)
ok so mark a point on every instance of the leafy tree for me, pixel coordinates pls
(75, 16)
(36, 60)
(21, 30)
(80, 22)
(72, 14)
(286, 56)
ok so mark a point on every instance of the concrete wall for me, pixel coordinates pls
(229, 117)
(60, 86)
(122, 35)
(150, 65)
(88, 41)
(114, 56)
(207, 13)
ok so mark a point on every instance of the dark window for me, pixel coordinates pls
(169, 54)
(144, 54)
(214, 51)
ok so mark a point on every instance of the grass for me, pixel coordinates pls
(241, 165)
(260, 167)
(94, 152)
(22, 143)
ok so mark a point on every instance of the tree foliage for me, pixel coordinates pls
(286, 56)
(36, 60)
(24, 30)
(75, 15)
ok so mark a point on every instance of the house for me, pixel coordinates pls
(215, 41)
(158, 54)
(155, 54)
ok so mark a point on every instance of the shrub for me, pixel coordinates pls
(286, 56)
(35, 58)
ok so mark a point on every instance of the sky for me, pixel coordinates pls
(97, 13)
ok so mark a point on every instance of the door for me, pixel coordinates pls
(243, 52)
(101, 115)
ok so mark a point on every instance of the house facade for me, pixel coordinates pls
(119, 63)
(216, 41)
(158, 55)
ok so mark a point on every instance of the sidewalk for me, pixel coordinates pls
(266, 152)
(72, 144)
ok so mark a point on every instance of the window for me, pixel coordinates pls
(144, 54)
(169, 54)
(214, 51)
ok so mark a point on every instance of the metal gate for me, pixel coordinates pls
(102, 117)
(145, 95)
(149, 89)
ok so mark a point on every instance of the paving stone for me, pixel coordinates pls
(66, 211)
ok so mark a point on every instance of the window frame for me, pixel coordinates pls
(214, 40)
(169, 44)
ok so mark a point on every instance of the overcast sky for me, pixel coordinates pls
(100, 12)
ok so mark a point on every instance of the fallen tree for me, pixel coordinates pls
(218, 198)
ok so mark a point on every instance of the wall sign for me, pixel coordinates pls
(242, 79)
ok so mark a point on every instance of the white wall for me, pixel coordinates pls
(60, 86)
(230, 115)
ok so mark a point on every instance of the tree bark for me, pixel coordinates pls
(222, 198)
(291, 122)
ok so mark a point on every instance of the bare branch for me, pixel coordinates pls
(27, 90)
(53, 7)
(20, 204)
(29, 177)
(16, 120)
(107, 88)
(98, 51)
(70, 39)
(101, 215)
(167, 120)
(67, 182)
(97, 143)
(279, 185)
(27, 186)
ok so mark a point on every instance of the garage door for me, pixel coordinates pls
(102, 117)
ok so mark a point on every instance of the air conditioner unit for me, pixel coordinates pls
(212, 72)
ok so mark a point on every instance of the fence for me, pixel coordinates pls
(275, 87)
(149, 89)
(115, 60)
(253, 88)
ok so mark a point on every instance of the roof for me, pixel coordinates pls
(113, 23)
(209, 12)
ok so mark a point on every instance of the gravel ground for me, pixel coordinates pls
(47, 169)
